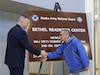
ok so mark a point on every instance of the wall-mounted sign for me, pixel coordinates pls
(45, 26)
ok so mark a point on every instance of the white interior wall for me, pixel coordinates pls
(91, 37)
(98, 47)
(0, 44)
(7, 20)
(66, 5)
(89, 9)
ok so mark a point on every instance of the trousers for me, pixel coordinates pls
(15, 71)
(81, 73)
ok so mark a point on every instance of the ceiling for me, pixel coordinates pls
(18, 8)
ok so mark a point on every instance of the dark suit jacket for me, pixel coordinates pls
(17, 42)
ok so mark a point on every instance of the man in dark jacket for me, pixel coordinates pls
(17, 42)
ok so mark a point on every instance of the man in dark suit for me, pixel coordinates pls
(17, 42)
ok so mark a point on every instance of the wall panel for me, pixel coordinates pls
(7, 20)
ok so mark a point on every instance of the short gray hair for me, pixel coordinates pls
(66, 31)
(23, 17)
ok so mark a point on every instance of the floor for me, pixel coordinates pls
(37, 74)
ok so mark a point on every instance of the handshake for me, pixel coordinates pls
(44, 55)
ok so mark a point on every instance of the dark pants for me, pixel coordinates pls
(15, 71)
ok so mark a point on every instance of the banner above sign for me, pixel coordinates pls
(45, 26)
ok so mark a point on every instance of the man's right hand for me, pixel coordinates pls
(86, 68)
(44, 53)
